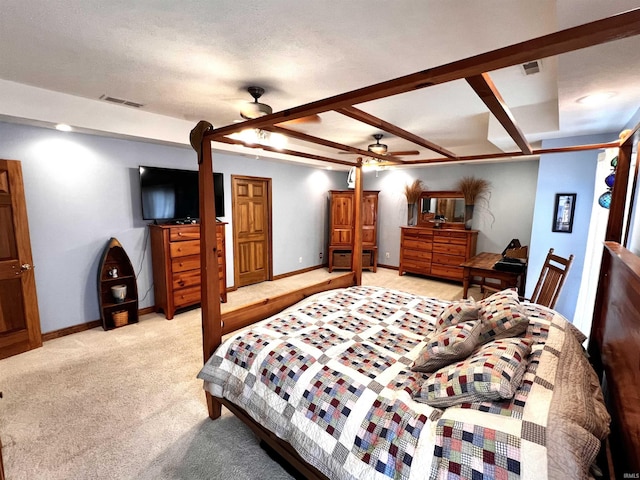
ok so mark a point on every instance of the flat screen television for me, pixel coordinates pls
(171, 194)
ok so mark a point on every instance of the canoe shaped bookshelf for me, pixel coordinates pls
(117, 287)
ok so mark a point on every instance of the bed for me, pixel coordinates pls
(540, 426)
(333, 377)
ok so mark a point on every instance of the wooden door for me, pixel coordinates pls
(251, 204)
(342, 212)
(19, 316)
(369, 218)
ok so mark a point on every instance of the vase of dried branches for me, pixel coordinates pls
(412, 192)
(411, 214)
(472, 188)
(468, 216)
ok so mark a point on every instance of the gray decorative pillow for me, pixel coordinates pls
(502, 316)
(494, 371)
(453, 343)
(457, 312)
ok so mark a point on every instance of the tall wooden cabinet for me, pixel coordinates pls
(436, 252)
(341, 229)
(175, 251)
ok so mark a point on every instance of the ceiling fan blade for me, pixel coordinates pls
(310, 119)
(402, 153)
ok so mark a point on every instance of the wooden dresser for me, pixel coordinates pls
(341, 229)
(175, 251)
(436, 252)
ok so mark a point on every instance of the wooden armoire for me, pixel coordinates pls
(341, 229)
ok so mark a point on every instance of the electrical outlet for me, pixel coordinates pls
(300, 260)
(320, 255)
(386, 255)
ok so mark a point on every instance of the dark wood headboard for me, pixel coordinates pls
(614, 347)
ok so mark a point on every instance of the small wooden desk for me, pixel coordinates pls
(482, 266)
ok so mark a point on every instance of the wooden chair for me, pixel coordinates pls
(552, 277)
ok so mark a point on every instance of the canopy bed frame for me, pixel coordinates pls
(615, 338)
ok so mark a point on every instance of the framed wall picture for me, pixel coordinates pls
(564, 208)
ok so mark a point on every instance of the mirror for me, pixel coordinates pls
(440, 207)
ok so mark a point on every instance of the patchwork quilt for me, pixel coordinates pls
(332, 377)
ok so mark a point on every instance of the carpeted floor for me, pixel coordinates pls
(126, 404)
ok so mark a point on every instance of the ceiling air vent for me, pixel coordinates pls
(120, 101)
(531, 68)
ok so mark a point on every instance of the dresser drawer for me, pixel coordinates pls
(184, 233)
(186, 296)
(416, 254)
(446, 271)
(182, 264)
(416, 266)
(450, 239)
(418, 235)
(442, 259)
(182, 249)
(416, 244)
(451, 234)
(449, 249)
(186, 279)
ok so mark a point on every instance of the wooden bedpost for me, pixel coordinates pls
(210, 288)
(356, 257)
(619, 194)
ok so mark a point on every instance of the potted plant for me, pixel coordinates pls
(412, 192)
(472, 188)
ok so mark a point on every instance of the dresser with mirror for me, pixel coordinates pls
(439, 242)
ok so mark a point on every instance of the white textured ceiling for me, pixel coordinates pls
(192, 60)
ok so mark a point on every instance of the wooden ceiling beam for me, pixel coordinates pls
(369, 119)
(497, 156)
(327, 143)
(612, 28)
(310, 156)
(489, 94)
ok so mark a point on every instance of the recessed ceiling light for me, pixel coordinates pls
(63, 127)
(596, 98)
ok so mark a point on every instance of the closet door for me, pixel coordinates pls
(342, 211)
(369, 218)
(19, 315)
(251, 204)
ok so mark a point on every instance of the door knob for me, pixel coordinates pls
(24, 267)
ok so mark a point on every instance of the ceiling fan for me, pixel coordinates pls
(382, 149)
(255, 109)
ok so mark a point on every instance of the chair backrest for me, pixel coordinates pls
(520, 252)
(552, 277)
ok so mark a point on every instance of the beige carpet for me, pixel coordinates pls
(126, 404)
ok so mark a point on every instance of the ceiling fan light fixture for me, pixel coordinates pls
(255, 109)
(257, 136)
(378, 148)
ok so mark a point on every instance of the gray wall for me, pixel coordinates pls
(83, 189)
(508, 213)
(566, 173)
